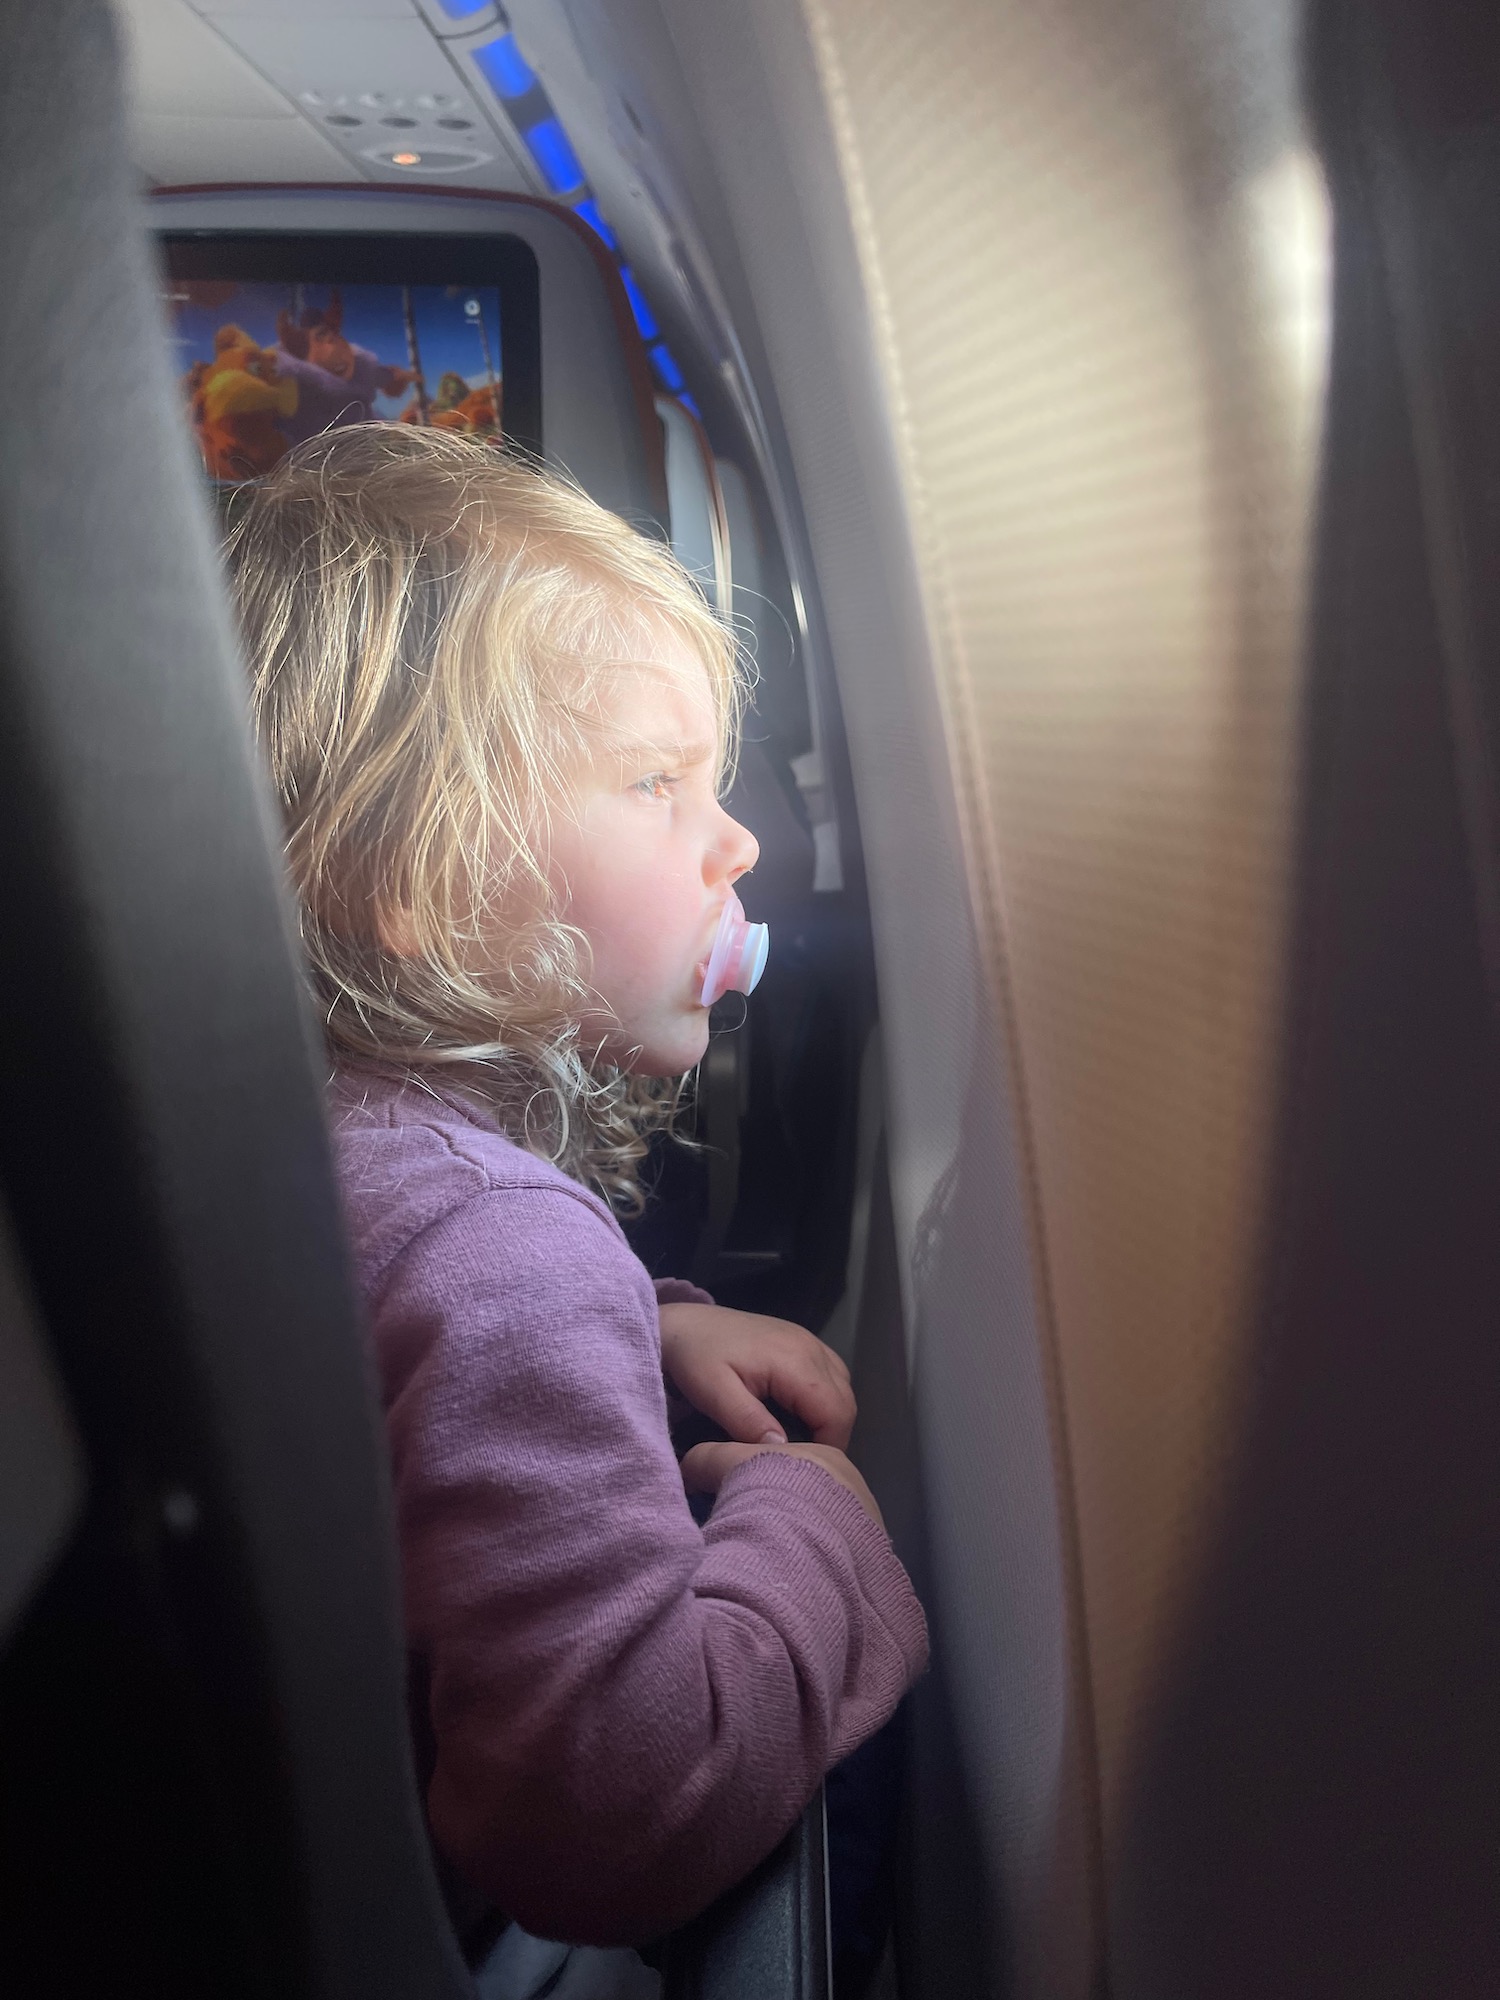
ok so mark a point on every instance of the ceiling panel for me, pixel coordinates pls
(297, 10)
(178, 65)
(319, 52)
(172, 150)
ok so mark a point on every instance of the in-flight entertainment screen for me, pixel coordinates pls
(280, 338)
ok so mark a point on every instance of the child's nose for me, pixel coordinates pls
(736, 850)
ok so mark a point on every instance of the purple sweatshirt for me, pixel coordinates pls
(628, 1711)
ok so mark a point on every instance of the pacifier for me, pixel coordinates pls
(739, 954)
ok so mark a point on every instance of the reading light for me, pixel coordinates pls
(430, 160)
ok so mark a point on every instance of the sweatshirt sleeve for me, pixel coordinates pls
(628, 1711)
(680, 1292)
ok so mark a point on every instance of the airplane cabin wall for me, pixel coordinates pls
(1033, 311)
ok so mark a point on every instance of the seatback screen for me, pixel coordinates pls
(278, 339)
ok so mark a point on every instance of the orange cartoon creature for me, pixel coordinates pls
(479, 410)
(457, 407)
(238, 399)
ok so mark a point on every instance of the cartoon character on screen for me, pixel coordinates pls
(457, 407)
(337, 381)
(241, 404)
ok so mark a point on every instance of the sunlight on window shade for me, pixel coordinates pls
(1291, 233)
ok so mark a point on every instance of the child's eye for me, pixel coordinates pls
(657, 786)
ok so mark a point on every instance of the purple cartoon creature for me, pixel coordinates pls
(337, 382)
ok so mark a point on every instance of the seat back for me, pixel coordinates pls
(599, 422)
(207, 1781)
(767, 1938)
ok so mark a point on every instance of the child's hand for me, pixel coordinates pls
(724, 1361)
(707, 1466)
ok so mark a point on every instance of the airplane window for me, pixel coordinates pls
(279, 338)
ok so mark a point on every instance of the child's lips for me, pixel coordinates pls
(700, 969)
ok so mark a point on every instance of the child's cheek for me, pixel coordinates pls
(657, 952)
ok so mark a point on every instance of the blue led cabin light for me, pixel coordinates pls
(644, 318)
(510, 76)
(555, 156)
(503, 66)
(588, 211)
(461, 10)
(688, 404)
(666, 368)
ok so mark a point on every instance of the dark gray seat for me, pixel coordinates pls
(201, 1709)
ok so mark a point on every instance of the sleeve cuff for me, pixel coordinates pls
(680, 1292)
(882, 1580)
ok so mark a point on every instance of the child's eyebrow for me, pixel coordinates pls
(650, 749)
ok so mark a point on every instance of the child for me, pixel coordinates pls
(497, 719)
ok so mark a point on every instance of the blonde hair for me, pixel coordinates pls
(428, 625)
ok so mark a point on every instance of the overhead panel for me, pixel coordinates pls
(380, 87)
(330, 90)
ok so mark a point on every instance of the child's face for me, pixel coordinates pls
(645, 861)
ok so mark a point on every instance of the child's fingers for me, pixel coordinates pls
(718, 1392)
(725, 1362)
(819, 1395)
